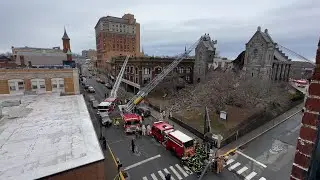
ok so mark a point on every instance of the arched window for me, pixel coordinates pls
(181, 70)
(188, 70)
(158, 70)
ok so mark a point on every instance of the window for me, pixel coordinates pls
(146, 80)
(181, 70)
(12, 86)
(146, 71)
(38, 84)
(16, 85)
(21, 85)
(187, 78)
(131, 69)
(136, 70)
(188, 70)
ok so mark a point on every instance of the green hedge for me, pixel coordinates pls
(297, 96)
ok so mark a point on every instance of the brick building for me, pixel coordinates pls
(89, 54)
(307, 157)
(34, 80)
(6, 62)
(116, 37)
(141, 70)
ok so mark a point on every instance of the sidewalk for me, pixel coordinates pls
(261, 130)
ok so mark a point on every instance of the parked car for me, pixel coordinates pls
(91, 98)
(86, 86)
(108, 85)
(91, 89)
(98, 80)
(94, 104)
(145, 110)
(105, 119)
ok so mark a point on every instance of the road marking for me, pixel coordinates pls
(243, 169)
(262, 178)
(166, 171)
(234, 166)
(228, 162)
(252, 159)
(145, 178)
(154, 177)
(188, 170)
(251, 175)
(161, 175)
(181, 170)
(141, 162)
(175, 172)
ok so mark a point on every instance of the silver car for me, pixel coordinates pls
(95, 104)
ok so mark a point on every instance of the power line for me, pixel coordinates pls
(298, 55)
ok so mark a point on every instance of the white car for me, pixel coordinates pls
(91, 89)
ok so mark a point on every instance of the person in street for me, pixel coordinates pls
(133, 145)
(137, 132)
(144, 130)
(168, 176)
(117, 123)
(148, 129)
(142, 116)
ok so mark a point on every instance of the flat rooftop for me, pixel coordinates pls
(45, 135)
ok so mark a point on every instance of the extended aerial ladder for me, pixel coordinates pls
(135, 100)
(114, 91)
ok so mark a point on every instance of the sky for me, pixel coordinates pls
(167, 26)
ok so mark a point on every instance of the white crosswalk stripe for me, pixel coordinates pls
(228, 162)
(243, 169)
(234, 166)
(181, 170)
(262, 178)
(175, 172)
(251, 175)
(161, 175)
(166, 171)
(188, 170)
(154, 176)
(145, 178)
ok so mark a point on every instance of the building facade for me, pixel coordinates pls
(263, 58)
(37, 81)
(29, 56)
(116, 37)
(141, 70)
(7, 62)
(89, 54)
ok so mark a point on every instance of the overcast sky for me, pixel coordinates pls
(166, 25)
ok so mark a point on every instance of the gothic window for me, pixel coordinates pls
(255, 53)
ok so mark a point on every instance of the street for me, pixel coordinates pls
(152, 160)
(271, 155)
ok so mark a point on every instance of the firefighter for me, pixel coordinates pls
(148, 129)
(144, 130)
(133, 145)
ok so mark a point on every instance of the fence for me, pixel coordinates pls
(253, 122)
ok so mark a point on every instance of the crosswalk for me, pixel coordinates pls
(177, 173)
(241, 170)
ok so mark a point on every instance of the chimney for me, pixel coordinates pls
(266, 31)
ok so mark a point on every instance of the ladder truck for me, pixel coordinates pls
(135, 100)
(114, 91)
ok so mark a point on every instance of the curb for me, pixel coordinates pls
(115, 161)
(282, 121)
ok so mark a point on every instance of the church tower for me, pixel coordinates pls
(66, 45)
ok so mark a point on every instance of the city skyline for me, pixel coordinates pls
(166, 27)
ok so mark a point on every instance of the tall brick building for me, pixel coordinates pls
(116, 37)
(307, 157)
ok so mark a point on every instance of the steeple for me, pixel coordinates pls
(65, 35)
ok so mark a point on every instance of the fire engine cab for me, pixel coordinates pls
(108, 105)
(131, 121)
(180, 143)
(160, 131)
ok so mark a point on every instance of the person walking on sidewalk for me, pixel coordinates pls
(133, 145)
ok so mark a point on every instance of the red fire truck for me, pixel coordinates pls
(174, 140)
(131, 121)
(160, 131)
(108, 105)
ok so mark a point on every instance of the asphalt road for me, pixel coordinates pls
(151, 159)
(271, 155)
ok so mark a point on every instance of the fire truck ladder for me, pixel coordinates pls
(113, 93)
(135, 100)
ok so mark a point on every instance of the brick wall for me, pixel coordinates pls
(308, 132)
(93, 171)
(68, 85)
(4, 87)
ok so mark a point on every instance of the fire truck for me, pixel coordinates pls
(174, 140)
(108, 105)
(160, 131)
(131, 121)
